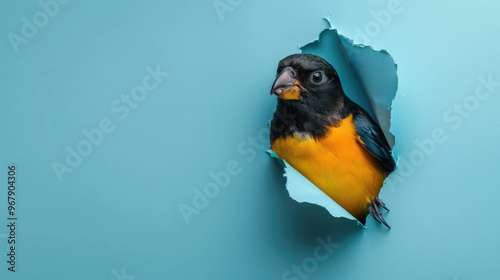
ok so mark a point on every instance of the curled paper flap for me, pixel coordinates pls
(369, 78)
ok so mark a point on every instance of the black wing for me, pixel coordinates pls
(373, 138)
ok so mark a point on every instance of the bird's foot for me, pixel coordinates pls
(375, 211)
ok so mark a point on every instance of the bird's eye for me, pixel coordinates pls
(317, 77)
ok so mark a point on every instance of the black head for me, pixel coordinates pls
(309, 81)
(310, 97)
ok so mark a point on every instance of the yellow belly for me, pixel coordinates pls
(337, 164)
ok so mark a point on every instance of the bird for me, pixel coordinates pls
(328, 138)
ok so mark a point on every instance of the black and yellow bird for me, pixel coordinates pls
(327, 137)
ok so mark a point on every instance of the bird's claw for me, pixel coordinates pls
(375, 211)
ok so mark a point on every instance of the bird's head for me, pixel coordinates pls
(309, 81)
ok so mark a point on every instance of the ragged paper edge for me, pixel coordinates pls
(300, 188)
(380, 99)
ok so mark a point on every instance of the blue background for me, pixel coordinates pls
(119, 208)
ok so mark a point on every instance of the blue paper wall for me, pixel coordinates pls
(165, 105)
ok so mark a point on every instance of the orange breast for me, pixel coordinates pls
(338, 164)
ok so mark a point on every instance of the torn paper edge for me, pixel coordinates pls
(331, 206)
